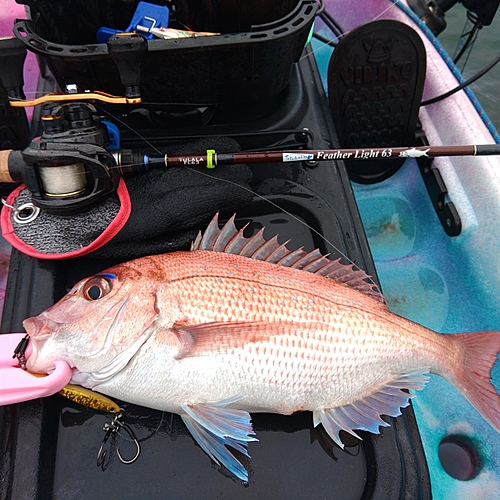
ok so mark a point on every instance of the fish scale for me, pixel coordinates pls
(339, 352)
(212, 282)
(213, 336)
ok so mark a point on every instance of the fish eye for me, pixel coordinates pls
(96, 288)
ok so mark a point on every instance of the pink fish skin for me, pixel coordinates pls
(212, 336)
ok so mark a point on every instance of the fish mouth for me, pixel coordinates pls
(34, 362)
(39, 329)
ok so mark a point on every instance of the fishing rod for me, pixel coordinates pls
(64, 176)
(211, 158)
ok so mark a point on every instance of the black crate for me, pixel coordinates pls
(250, 61)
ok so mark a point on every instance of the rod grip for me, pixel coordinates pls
(11, 163)
(4, 166)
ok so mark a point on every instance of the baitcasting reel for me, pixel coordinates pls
(68, 168)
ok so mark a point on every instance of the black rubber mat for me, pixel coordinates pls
(375, 83)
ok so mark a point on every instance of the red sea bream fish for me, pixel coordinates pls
(240, 325)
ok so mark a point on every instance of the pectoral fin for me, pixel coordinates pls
(222, 336)
(365, 413)
(214, 427)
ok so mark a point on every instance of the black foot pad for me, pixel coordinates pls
(375, 82)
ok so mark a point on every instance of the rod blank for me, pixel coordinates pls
(212, 159)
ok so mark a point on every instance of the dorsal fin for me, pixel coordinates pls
(230, 240)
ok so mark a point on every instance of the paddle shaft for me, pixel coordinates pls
(211, 159)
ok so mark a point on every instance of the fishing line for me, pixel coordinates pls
(300, 221)
(471, 35)
(393, 5)
(344, 33)
(275, 205)
(149, 436)
(270, 202)
(130, 128)
(155, 431)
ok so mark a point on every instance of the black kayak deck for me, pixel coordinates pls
(49, 447)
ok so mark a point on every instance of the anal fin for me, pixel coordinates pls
(214, 427)
(365, 414)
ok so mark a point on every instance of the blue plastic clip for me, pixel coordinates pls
(114, 135)
(146, 14)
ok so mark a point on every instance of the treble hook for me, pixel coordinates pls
(114, 428)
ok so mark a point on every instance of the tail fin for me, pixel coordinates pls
(472, 378)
